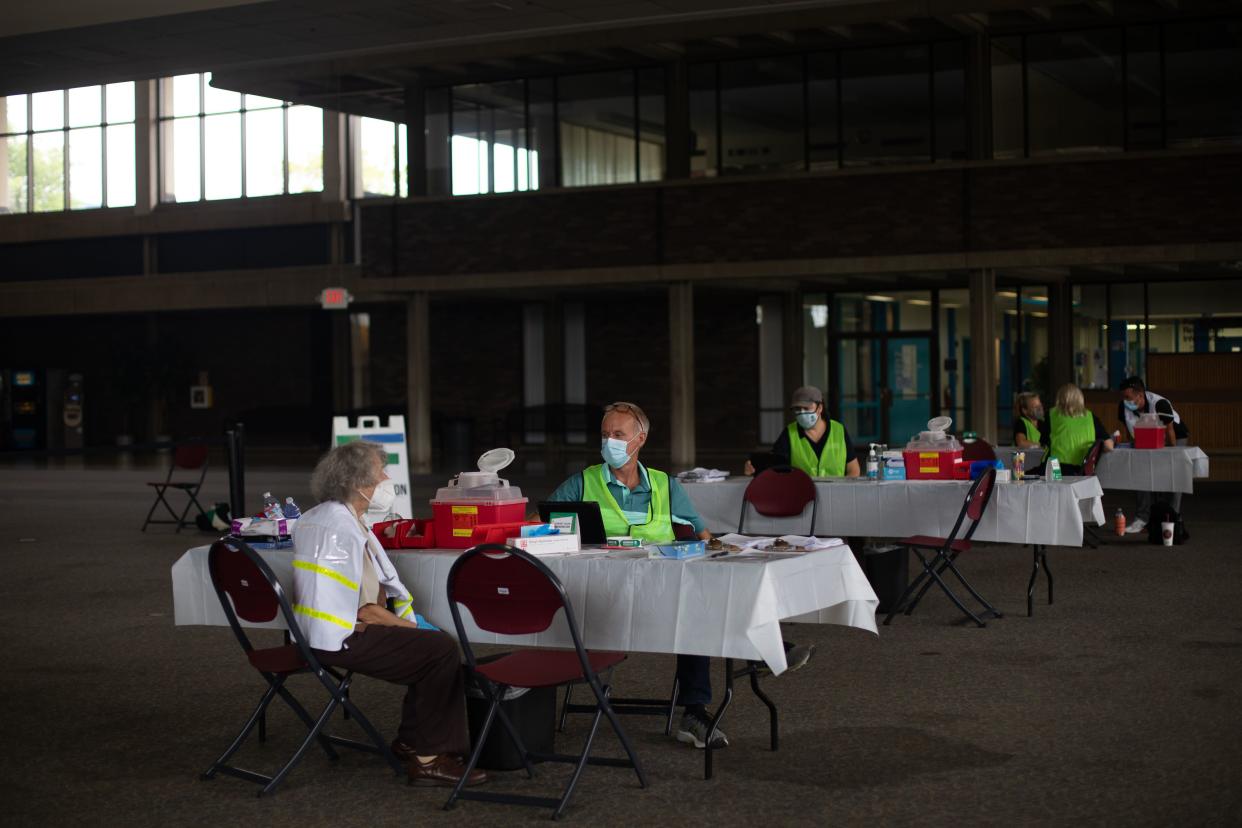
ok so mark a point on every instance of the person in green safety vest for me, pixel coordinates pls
(645, 503)
(1030, 427)
(1072, 430)
(813, 442)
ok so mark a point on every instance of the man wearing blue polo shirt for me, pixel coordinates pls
(645, 503)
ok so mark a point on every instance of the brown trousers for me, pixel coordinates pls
(433, 715)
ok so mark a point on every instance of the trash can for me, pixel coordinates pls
(533, 714)
(888, 571)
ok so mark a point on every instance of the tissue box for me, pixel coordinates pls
(679, 550)
(547, 544)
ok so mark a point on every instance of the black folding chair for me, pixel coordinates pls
(248, 590)
(511, 592)
(187, 458)
(944, 552)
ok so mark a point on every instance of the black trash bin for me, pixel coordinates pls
(888, 571)
(533, 714)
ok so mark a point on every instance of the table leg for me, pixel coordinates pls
(720, 711)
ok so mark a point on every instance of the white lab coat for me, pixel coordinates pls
(1152, 399)
(327, 575)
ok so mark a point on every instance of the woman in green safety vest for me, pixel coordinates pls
(1072, 430)
(814, 443)
(1030, 428)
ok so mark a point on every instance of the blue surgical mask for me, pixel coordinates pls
(806, 419)
(614, 451)
(1130, 405)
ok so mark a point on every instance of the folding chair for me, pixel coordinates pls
(510, 592)
(248, 590)
(977, 449)
(189, 458)
(1091, 535)
(780, 491)
(945, 552)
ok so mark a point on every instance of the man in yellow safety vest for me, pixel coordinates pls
(813, 442)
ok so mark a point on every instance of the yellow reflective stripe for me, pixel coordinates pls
(325, 572)
(404, 607)
(323, 616)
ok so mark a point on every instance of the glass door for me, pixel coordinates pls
(884, 389)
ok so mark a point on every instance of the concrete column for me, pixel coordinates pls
(146, 161)
(335, 171)
(416, 139)
(681, 374)
(791, 343)
(1060, 337)
(983, 371)
(342, 361)
(979, 96)
(418, 381)
(676, 121)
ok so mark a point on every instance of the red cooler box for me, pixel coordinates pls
(932, 465)
(1149, 438)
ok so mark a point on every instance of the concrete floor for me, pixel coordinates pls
(1121, 703)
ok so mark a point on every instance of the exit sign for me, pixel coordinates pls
(335, 298)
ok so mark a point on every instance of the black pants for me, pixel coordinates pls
(694, 679)
(433, 715)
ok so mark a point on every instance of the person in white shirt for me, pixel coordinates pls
(342, 579)
(1137, 400)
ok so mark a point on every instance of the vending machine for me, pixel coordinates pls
(25, 404)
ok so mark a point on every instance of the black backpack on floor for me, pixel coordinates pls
(1162, 512)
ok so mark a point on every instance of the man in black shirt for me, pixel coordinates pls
(1136, 401)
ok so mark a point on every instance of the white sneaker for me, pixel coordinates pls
(1137, 526)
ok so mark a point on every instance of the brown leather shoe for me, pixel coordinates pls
(402, 751)
(443, 772)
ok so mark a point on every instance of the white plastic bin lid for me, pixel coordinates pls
(939, 424)
(496, 459)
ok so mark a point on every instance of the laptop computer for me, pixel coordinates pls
(590, 521)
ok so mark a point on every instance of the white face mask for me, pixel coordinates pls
(382, 499)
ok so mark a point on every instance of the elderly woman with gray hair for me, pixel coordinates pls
(342, 579)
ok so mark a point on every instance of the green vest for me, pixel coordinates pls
(1032, 430)
(1072, 437)
(659, 525)
(831, 463)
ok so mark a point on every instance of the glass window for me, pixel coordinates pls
(955, 355)
(823, 109)
(704, 155)
(1203, 66)
(1074, 91)
(1144, 127)
(1008, 125)
(597, 129)
(885, 103)
(217, 144)
(489, 152)
(1090, 336)
(376, 158)
(1195, 317)
(1126, 331)
(883, 311)
(949, 100)
(815, 340)
(55, 153)
(761, 115)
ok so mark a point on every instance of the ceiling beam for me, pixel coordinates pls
(1040, 12)
(1104, 7)
(843, 32)
(898, 25)
(726, 42)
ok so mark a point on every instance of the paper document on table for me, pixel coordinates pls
(702, 475)
(783, 545)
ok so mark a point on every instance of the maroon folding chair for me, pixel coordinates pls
(192, 457)
(510, 592)
(249, 591)
(1091, 536)
(977, 449)
(780, 491)
(944, 552)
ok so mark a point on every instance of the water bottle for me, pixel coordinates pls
(271, 507)
(873, 465)
(1019, 465)
(1119, 523)
(290, 509)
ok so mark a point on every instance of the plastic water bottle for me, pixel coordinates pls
(271, 507)
(1119, 523)
(290, 509)
(873, 465)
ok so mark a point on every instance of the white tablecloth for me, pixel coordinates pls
(1169, 469)
(1028, 512)
(723, 607)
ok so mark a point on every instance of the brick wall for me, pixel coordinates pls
(1121, 201)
